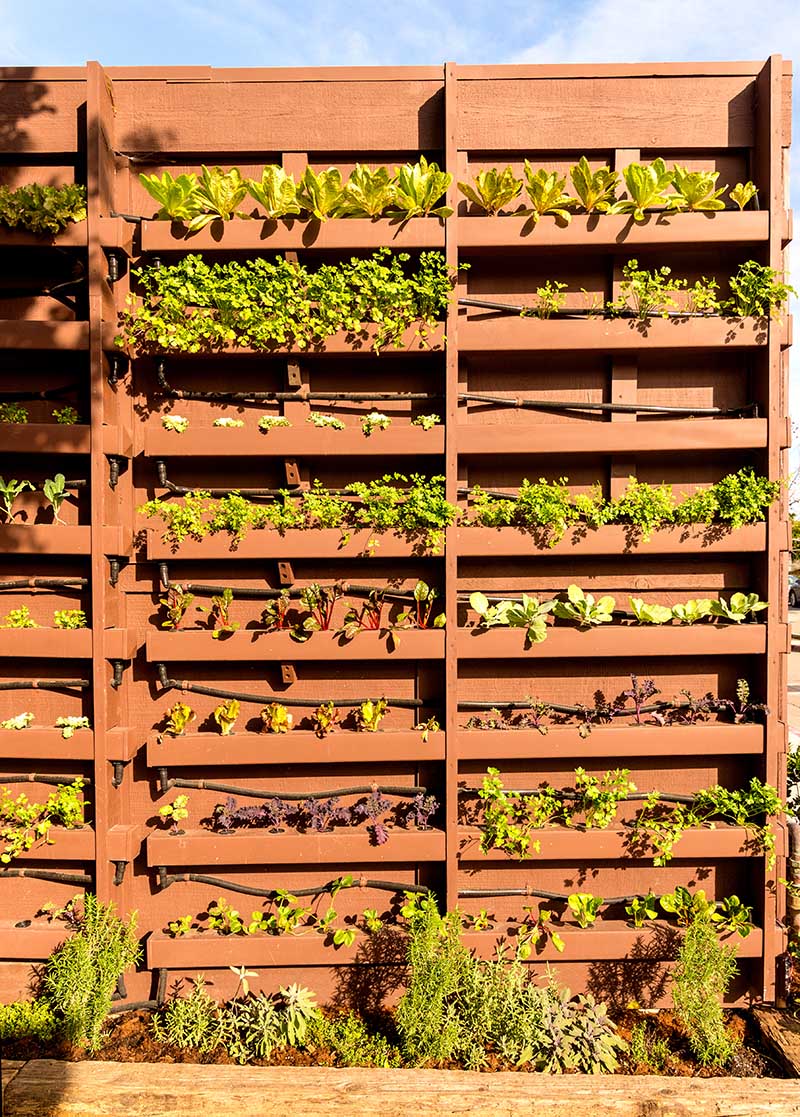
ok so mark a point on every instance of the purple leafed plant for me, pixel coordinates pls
(421, 810)
(639, 694)
(374, 807)
(230, 816)
(320, 815)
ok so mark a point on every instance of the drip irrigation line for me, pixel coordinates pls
(45, 394)
(477, 704)
(613, 408)
(264, 699)
(165, 880)
(538, 893)
(293, 796)
(36, 777)
(532, 312)
(576, 796)
(45, 684)
(270, 594)
(48, 874)
(44, 583)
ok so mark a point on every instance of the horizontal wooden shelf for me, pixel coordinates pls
(30, 944)
(339, 344)
(46, 744)
(57, 539)
(66, 845)
(256, 646)
(614, 230)
(260, 235)
(613, 539)
(49, 643)
(302, 441)
(678, 436)
(259, 847)
(507, 333)
(608, 940)
(581, 846)
(327, 543)
(299, 746)
(44, 438)
(207, 950)
(43, 335)
(632, 640)
(610, 740)
(73, 236)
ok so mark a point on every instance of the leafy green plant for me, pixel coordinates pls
(276, 193)
(510, 819)
(583, 608)
(645, 507)
(597, 799)
(177, 197)
(375, 421)
(687, 906)
(67, 416)
(69, 618)
(756, 291)
(738, 608)
(327, 422)
(418, 189)
(690, 612)
(367, 193)
(427, 422)
(55, 493)
(68, 725)
(431, 725)
(646, 185)
(732, 916)
(175, 812)
(700, 980)
(695, 190)
(178, 717)
(421, 615)
(529, 613)
(351, 1043)
(550, 299)
(9, 491)
(646, 293)
(320, 194)
(641, 909)
(595, 189)
(177, 423)
(219, 614)
(743, 192)
(702, 296)
(648, 613)
(276, 718)
(325, 719)
(27, 1020)
(19, 721)
(648, 1052)
(23, 823)
(218, 193)
(369, 714)
(42, 209)
(192, 1022)
(269, 422)
(225, 715)
(535, 932)
(13, 413)
(492, 189)
(585, 907)
(180, 926)
(176, 603)
(228, 422)
(546, 193)
(19, 618)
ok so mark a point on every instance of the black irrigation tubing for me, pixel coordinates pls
(46, 684)
(532, 311)
(263, 699)
(35, 777)
(621, 408)
(634, 797)
(270, 594)
(44, 583)
(165, 880)
(53, 394)
(537, 893)
(48, 874)
(294, 796)
(182, 490)
(476, 704)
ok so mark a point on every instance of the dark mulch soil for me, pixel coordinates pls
(130, 1040)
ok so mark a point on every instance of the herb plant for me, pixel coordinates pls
(756, 291)
(700, 981)
(13, 413)
(19, 618)
(646, 293)
(66, 416)
(69, 618)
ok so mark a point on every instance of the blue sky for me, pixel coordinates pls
(324, 33)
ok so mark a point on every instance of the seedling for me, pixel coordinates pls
(19, 721)
(180, 926)
(224, 919)
(427, 422)
(585, 907)
(546, 193)
(325, 719)
(274, 615)
(550, 298)
(695, 190)
(13, 413)
(175, 812)
(418, 189)
(177, 423)
(69, 618)
(536, 931)
(329, 422)
(646, 186)
(742, 709)
(690, 612)
(269, 422)
(743, 192)
(640, 694)
(276, 718)
(68, 725)
(366, 193)
(369, 715)
(19, 618)
(596, 189)
(731, 915)
(739, 608)
(649, 614)
(176, 603)
(321, 602)
(219, 614)
(67, 416)
(420, 616)
(641, 909)
(428, 727)
(225, 716)
(178, 716)
(582, 608)
(9, 491)
(55, 493)
(375, 421)
(276, 193)
(372, 921)
(492, 189)
(228, 423)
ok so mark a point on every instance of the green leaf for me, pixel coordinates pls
(419, 186)
(366, 193)
(320, 194)
(742, 193)
(276, 193)
(596, 189)
(492, 189)
(546, 192)
(219, 193)
(178, 197)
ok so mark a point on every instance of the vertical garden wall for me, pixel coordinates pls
(716, 389)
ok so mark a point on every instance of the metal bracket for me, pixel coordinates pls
(285, 574)
(292, 473)
(119, 876)
(164, 879)
(288, 674)
(116, 465)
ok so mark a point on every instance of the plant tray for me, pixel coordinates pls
(625, 641)
(324, 543)
(613, 539)
(581, 846)
(254, 646)
(293, 442)
(260, 235)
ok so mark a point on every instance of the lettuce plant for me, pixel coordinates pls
(68, 725)
(177, 423)
(530, 614)
(325, 719)
(320, 194)
(178, 717)
(583, 608)
(13, 413)
(225, 716)
(743, 192)
(9, 491)
(177, 197)
(585, 907)
(369, 714)
(226, 421)
(69, 618)
(218, 193)
(67, 416)
(375, 421)
(175, 812)
(19, 618)
(55, 493)
(642, 909)
(427, 422)
(695, 190)
(690, 612)
(276, 718)
(493, 189)
(546, 194)
(739, 608)
(647, 185)
(276, 193)
(649, 614)
(269, 422)
(418, 188)
(366, 193)
(595, 189)
(19, 721)
(42, 209)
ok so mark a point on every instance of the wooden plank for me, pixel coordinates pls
(300, 746)
(781, 1030)
(563, 845)
(327, 543)
(612, 539)
(47, 1088)
(252, 645)
(302, 441)
(262, 236)
(41, 114)
(613, 640)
